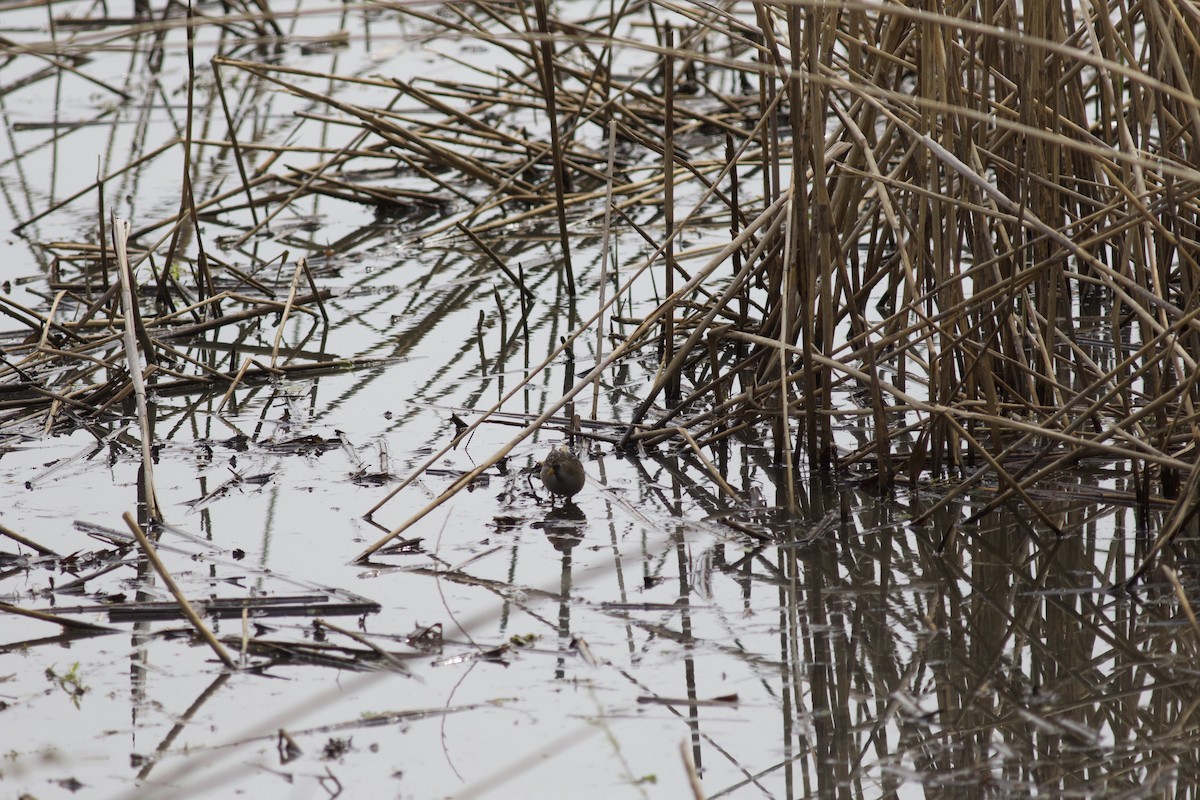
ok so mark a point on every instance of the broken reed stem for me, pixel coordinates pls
(237, 380)
(549, 91)
(783, 434)
(66, 623)
(387, 657)
(152, 555)
(713, 472)
(668, 335)
(316, 293)
(37, 548)
(689, 767)
(233, 141)
(301, 269)
(606, 244)
(120, 232)
(526, 295)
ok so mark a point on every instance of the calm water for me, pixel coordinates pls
(590, 653)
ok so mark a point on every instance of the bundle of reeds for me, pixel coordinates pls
(960, 241)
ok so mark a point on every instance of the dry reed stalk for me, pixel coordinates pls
(605, 249)
(31, 544)
(67, 624)
(671, 387)
(203, 630)
(546, 73)
(495, 259)
(133, 362)
(301, 268)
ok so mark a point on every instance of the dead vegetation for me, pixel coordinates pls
(953, 252)
(955, 246)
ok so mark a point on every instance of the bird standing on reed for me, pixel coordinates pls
(562, 472)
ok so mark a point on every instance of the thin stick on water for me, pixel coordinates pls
(189, 612)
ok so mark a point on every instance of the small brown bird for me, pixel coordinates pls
(562, 472)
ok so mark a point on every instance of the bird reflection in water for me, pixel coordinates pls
(564, 527)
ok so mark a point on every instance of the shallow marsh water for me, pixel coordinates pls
(589, 653)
